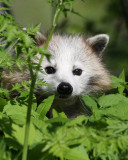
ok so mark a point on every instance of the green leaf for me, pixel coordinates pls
(74, 154)
(18, 134)
(3, 102)
(119, 83)
(116, 82)
(16, 113)
(55, 113)
(12, 31)
(122, 75)
(4, 93)
(41, 82)
(58, 114)
(44, 107)
(90, 102)
(120, 111)
(2, 148)
(111, 100)
(79, 120)
(6, 2)
(27, 40)
(32, 30)
(3, 8)
(82, 150)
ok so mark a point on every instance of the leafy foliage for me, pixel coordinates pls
(102, 136)
(65, 5)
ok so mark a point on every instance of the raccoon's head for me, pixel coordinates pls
(75, 66)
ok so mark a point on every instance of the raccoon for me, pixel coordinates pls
(74, 69)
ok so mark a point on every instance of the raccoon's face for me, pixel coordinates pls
(74, 68)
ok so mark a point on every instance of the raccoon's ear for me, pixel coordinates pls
(40, 39)
(98, 43)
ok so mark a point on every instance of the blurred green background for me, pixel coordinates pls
(100, 16)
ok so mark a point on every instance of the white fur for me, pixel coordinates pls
(69, 53)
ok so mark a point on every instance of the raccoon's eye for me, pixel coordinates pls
(50, 70)
(77, 72)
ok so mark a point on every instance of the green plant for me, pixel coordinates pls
(26, 128)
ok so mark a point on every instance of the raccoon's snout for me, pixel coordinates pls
(64, 88)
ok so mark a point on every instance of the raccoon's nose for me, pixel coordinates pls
(64, 88)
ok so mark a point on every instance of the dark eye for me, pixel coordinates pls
(50, 70)
(77, 72)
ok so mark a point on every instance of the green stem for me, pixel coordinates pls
(26, 138)
(49, 37)
(33, 81)
(25, 148)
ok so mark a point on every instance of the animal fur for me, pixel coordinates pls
(68, 54)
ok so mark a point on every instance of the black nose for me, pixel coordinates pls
(64, 88)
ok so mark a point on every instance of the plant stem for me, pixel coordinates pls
(49, 37)
(33, 81)
(25, 148)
